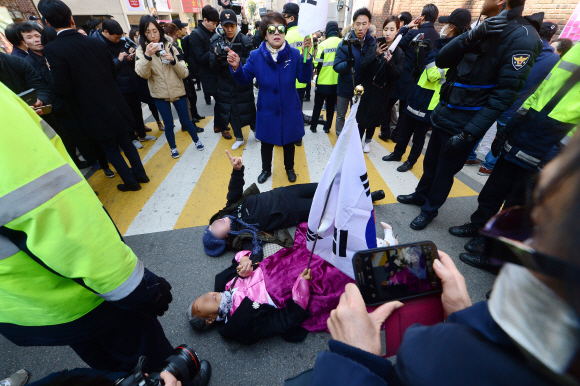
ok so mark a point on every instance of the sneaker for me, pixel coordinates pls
(483, 171)
(19, 378)
(96, 165)
(148, 138)
(109, 173)
(367, 147)
(472, 162)
(174, 153)
(160, 125)
(199, 145)
(237, 144)
(137, 144)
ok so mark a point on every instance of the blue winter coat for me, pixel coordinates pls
(345, 86)
(279, 116)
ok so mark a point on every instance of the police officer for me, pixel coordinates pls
(487, 67)
(65, 280)
(525, 145)
(290, 12)
(327, 77)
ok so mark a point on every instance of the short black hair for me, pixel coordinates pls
(210, 13)
(269, 18)
(13, 34)
(257, 24)
(56, 13)
(112, 27)
(516, 3)
(143, 25)
(406, 17)
(431, 12)
(29, 26)
(93, 23)
(564, 45)
(364, 12)
(48, 35)
(132, 33)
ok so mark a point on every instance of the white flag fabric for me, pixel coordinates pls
(348, 225)
(313, 15)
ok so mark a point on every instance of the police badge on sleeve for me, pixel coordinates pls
(520, 60)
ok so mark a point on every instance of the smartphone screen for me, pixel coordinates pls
(237, 9)
(381, 41)
(395, 273)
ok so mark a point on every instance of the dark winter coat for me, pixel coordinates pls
(127, 80)
(83, 74)
(39, 64)
(377, 80)
(199, 45)
(345, 85)
(236, 100)
(279, 118)
(19, 76)
(484, 78)
(404, 85)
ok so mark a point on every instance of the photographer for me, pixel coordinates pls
(347, 62)
(527, 333)
(199, 48)
(127, 81)
(237, 101)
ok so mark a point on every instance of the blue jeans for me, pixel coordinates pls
(473, 154)
(490, 161)
(164, 108)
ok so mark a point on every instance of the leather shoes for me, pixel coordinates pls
(479, 261)
(392, 157)
(195, 120)
(384, 137)
(200, 117)
(199, 129)
(204, 374)
(321, 122)
(405, 167)
(217, 129)
(263, 176)
(226, 134)
(410, 199)
(298, 143)
(476, 245)
(377, 195)
(143, 180)
(326, 130)
(291, 175)
(465, 230)
(420, 222)
(129, 187)
(313, 129)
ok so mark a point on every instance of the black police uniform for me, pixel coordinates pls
(483, 81)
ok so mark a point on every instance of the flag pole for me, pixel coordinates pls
(320, 223)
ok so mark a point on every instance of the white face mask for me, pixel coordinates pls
(444, 31)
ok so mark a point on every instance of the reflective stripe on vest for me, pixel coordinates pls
(442, 72)
(37, 192)
(568, 66)
(523, 156)
(47, 130)
(296, 44)
(7, 248)
(415, 112)
(128, 285)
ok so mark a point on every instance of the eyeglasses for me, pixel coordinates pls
(152, 32)
(508, 235)
(273, 28)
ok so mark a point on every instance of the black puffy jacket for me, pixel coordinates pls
(127, 80)
(19, 76)
(484, 78)
(236, 100)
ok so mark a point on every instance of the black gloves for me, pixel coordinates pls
(350, 62)
(163, 298)
(457, 143)
(500, 139)
(490, 26)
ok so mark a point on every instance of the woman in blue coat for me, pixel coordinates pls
(276, 66)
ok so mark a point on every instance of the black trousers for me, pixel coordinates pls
(318, 103)
(370, 132)
(386, 124)
(301, 93)
(308, 89)
(66, 138)
(111, 148)
(191, 96)
(411, 127)
(119, 349)
(507, 185)
(132, 99)
(438, 172)
(402, 111)
(300, 196)
(268, 151)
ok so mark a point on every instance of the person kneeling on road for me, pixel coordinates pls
(250, 213)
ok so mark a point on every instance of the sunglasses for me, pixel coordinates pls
(273, 28)
(508, 236)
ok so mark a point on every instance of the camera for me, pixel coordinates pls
(183, 364)
(221, 51)
(236, 7)
(418, 41)
(130, 44)
(351, 40)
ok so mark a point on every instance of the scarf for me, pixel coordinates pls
(274, 51)
(225, 306)
(246, 228)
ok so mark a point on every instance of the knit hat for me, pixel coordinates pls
(212, 245)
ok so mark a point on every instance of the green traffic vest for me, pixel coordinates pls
(45, 197)
(327, 75)
(294, 39)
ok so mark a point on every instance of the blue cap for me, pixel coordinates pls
(212, 245)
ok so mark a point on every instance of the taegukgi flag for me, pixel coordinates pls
(348, 225)
(313, 15)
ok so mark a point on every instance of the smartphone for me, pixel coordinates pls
(396, 273)
(46, 109)
(381, 41)
(237, 9)
(29, 96)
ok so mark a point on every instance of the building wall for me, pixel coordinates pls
(557, 11)
(26, 7)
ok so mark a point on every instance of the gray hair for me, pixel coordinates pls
(197, 323)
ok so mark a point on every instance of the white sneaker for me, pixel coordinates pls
(19, 378)
(237, 144)
(367, 147)
(137, 144)
(148, 138)
(174, 153)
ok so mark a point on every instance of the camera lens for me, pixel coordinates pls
(183, 364)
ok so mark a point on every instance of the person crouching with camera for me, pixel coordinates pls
(162, 64)
(236, 100)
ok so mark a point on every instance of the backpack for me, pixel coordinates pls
(189, 57)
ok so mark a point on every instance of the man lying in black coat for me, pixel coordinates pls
(252, 212)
